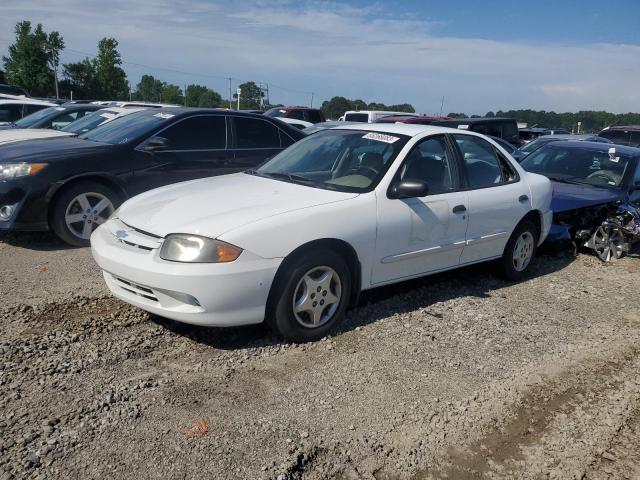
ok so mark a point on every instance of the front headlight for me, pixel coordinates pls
(181, 247)
(9, 171)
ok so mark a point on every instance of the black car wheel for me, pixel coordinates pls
(310, 296)
(80, 209)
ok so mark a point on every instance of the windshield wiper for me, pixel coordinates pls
(571, 180)
(289, 176)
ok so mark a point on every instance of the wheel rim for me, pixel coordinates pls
(523, 251)
(608, 243)
(85, 212)
(317, 297)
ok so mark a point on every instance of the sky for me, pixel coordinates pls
(489, 55)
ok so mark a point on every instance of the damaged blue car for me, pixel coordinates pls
(596, 194)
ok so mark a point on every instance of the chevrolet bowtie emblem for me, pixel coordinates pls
(121, 234)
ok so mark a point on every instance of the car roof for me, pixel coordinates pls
(26, 101)
(622, 127)
(410, 129)
(632, 151)
(477, 120)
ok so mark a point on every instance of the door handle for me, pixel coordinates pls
(523, 198)
(459, 209)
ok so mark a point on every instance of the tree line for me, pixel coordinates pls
(33, 62)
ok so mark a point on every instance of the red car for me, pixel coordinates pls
(419, 119)
(312, 115)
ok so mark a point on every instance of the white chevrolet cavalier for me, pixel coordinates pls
(295, 241)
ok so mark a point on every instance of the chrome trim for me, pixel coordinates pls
(425, 251)
(486, 238)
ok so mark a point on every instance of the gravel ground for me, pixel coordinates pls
(460, 375)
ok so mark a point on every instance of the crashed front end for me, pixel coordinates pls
(608, 229)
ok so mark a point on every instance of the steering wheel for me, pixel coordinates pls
(602, 175)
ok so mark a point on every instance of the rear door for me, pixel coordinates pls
(196, 148)
(497, 198)
(254, 141)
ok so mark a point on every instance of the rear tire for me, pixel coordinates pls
(79, 209)
(520, 251)
(310, 296)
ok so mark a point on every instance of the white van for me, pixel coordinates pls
(370, 116)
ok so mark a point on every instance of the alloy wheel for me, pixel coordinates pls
(317, 296)
(85, 212)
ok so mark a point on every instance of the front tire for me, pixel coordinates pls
(520, 251)
(310, 296)
(80, 209)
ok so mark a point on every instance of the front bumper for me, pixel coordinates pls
(225, 294)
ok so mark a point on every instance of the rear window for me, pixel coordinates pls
(10, 112)
(616, 136)
(356, 117)
(255, 133)
(313, 116)
(275, 112)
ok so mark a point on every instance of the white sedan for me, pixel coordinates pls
(341, 211)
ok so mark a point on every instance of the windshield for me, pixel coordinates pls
(32, 119)
(356, 117)
(537, 143)
(127, 128)
(275, 112)
(579, 164)
(89, 122)
(344, 160)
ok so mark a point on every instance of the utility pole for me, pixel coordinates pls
(238, 92)
(312, 99)
(230, 107)
(441, 105)
(185, 95)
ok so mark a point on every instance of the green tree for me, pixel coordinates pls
(112, 79)
(81, 78)
(250, 96)
(27, 64)
(172, 94)
(210, 99)
(149, 89)
(457, 115)
(193, 93)
(336, 107)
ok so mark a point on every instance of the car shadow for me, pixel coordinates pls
(40, 241)
(478, 281)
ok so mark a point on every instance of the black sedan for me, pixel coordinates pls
(54, 117)
(70, 185)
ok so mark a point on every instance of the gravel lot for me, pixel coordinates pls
(460, 375)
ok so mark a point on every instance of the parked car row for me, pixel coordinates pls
(219, 217)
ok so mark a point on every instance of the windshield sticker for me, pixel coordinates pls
(381, 137)
(164, 116)
(463, 127)
(612, 155)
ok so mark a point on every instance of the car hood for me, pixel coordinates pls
(213, 206)
(568, 196)
(19, 134)
(50, 149)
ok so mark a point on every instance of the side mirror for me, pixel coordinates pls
(155, 143)
(408, 189)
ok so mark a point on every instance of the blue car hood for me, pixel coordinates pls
(568, 196)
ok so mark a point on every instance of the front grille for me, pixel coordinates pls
(136, 289)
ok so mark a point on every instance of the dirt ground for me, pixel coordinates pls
(458, 376)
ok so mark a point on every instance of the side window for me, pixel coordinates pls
(254, 133)
(29, 109)
(634, 139)
(494, 130)
(313, 116)
(203, 132)
(431, 162)
(296, 114)
(10, 112)
(285, 140)
(616, 136)
(481, 161)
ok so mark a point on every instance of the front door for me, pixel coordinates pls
(422, 235)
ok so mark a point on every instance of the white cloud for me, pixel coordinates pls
(334, 49)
